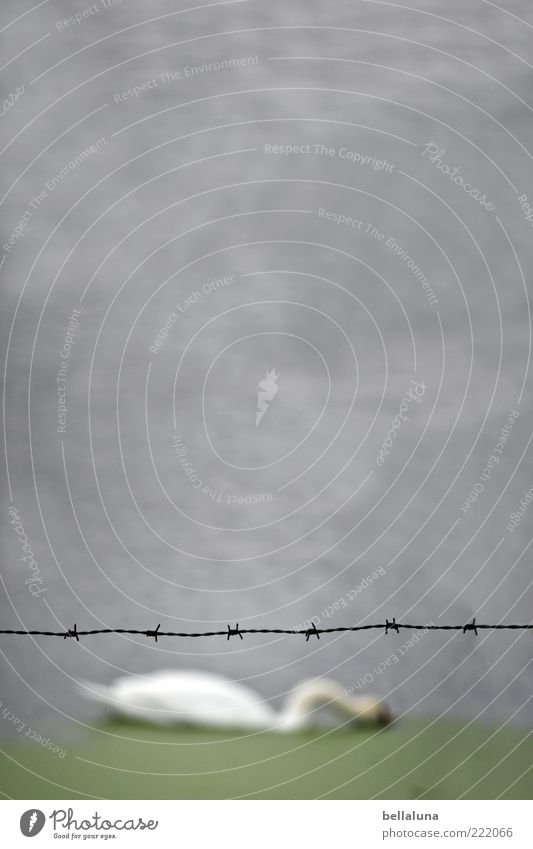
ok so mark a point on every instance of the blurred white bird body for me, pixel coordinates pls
(211, 700)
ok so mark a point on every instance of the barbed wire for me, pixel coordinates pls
(313, 631)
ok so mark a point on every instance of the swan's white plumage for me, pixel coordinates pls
(185, 697)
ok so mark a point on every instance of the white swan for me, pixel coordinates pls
(207, 699)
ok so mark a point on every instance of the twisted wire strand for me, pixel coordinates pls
(155, 633)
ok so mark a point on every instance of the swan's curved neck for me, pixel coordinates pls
(302, 702)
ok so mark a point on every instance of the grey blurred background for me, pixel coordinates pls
(179, 195)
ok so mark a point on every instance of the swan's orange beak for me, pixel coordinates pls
(384, 715)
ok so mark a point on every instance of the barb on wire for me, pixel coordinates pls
(71, 633)
(234, 632)
(471, 627)
(312, 632)
(154, 633)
